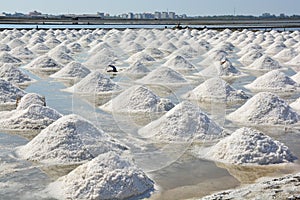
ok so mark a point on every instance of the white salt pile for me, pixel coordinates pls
(251, 56)
(8, 58)
(137, 99)
(264, 63)
(295, 61)
(216, 90)
(137, 68)
(265, 108)
(213, 55)
(14, 75)
(179, 63)
(163, 76)
(29, 99)
(274, 80)
(286, 55)
(9, 93)
(296, 105)
(34, 117)
(39, 48)
(141, 57)
(185, 122)
(94, 83)
(60, 57)
(224, 68)
(73, 70)
(44, 63)
(69, 140)
(275, 48)
(22, 53)
(108, 176)
(99, 61)
(249, 146)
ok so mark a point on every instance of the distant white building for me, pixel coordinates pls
(130, 15)
(172, 15)
(157, 15)
(164, 15)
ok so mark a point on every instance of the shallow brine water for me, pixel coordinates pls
(177, 172)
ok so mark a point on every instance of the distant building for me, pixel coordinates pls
(157, 15)
(35, 13)
(130, 15)
(172, 15)
(164, 15)
(100, 14)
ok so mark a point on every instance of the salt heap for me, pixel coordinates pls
(44, 63)
(286, 55)
(60, 56)
(8, 58)
(99, 61)
(138, 99)
(137, 68)
(265, 63)
(39, 48)
(141, 57)
(274, 80)
(9, 93)
(185, 122)
(296, 105)
(265, 108)
(14, 75)
(163, 76)
(216, 90)
(180, 63)
(295, 61)
(31, 114)
(249, 146)
(108, 176)
(29, 99)
(69, 140)
(73, 71)
(296, 77)
(249, 57)
(22, 53)
(94, 83)
(223, 68)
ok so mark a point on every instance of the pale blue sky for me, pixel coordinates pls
(190, 7)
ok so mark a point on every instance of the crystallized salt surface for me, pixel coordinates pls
(8, 58)
(185, 122)
(44, 63)
(14, 75)
(296, 77)
(216, 90)
(223, 68)
(137, 68)
(296, 104)
(73, 70)
(163, 75)
(249, 146)
(274, 80)
(9, 93)
(264, 63)
(70, 139)
(179, 63)
(265, 108)
(138, 99)
(108, 176)
(94, 83)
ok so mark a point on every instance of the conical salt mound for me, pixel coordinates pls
(94, 83)
(39, 48)
(60, 56)
(251, 56)
(265, 63)
(223, 68)
(249, 146)
(99, 61)
(44, 63)
(71, 139)
(163, 75)
(141, 57)
(180, 63)
(108, 176)
(286, 55)
(274, 81)
(296, 105)
(9, 93)
(73, 70)
(265, 108)
(22, 53)
(216, 90)
(14, 75)
(29, 99)
(138, 99)
(8, 58)
(185, 122)
(137, 68)
(295, 61)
